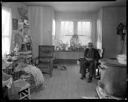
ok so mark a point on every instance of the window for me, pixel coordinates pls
(53, 32)
(67, 30)
(84, 32)
(6, 30)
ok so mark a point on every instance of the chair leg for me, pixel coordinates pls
(98, 74)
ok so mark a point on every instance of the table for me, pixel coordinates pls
(23, 88)
(113, 79)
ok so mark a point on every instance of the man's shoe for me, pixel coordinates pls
(83, 77)
(97, 77)
(89, 80)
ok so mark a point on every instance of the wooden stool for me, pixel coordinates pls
(23, 89)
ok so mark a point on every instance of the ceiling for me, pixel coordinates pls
(78, 6)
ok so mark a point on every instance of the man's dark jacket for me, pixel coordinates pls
(95, 55)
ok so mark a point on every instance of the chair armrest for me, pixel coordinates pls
(101, 67)
(81, 58)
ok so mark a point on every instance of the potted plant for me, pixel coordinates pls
(121, 30)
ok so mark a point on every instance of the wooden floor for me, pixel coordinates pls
(66, 85)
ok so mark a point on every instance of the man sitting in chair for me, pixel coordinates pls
(91, 56)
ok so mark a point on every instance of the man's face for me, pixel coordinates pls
(90, 45)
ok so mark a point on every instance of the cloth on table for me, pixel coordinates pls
(37, 74)
(33, 70)
(30, 79)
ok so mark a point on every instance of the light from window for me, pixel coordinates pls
(67, 30)
(99, 35)
(53, 27)
(84, 32)
(6, 31)
(53, 32)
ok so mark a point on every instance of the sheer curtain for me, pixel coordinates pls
(99, 34)
(84, 32)
(53, 31)
(6, 30)
(67, 30)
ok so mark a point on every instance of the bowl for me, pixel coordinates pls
(121, 59)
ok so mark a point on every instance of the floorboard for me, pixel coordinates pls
(66, 84)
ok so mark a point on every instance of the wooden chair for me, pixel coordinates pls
(101, 53)
(45, 59)
(97, 73)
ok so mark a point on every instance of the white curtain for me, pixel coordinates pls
(6, 30)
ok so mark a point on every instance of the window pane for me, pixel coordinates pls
(67, 28)
(84, 28)
(6, 31)
(66, 31)
(84, 32)
(5, 22)
(5, 45)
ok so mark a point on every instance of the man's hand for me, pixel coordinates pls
(88, 59)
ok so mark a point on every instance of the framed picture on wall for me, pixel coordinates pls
(15, 24)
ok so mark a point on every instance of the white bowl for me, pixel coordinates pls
(121, 59)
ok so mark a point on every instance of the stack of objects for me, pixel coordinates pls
(27, 56)
(113, 82)
(31, 74)
(19, 89)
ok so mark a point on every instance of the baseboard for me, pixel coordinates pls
(65, 61)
